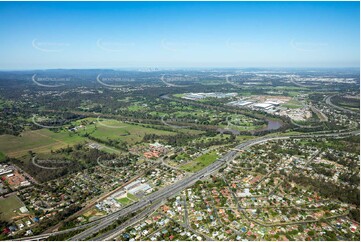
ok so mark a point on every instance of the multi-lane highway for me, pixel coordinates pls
(328, 102)
(188, 181)
(173, 189)
(115, 232)
(47, 235)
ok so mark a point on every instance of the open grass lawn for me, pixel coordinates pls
(9, 207)
(39, 141)
(45, 140)
(124, 201)
(200, 162)
(132, 197)
(116, 130)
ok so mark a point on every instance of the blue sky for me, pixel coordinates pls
(178, 34)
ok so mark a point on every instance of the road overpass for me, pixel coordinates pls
(179, 186)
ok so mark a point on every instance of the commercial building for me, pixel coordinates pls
(263, 106)
(240, 103)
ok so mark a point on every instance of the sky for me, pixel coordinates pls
(46, 35)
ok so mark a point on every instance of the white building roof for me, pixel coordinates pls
(263, 105)
(143, 187)
(272, 102)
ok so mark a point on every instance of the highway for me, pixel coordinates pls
(301, 85)
(115, 232)
(188, 181)
(179, 186)
(170, 190)
(328, 102)
(47, 235)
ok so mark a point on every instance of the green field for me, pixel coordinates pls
(39, 141)
(45, 140)
(200, 162)
(105, 129)
(130, 198)
(9, 207)
(124, 201)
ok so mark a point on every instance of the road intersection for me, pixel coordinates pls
(161, 195)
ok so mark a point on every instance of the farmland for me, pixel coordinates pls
(40, 141)
(93, 151)
(44, 140)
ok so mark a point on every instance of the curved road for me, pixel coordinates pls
(188, 181)
(179, 186)
(328, 102)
